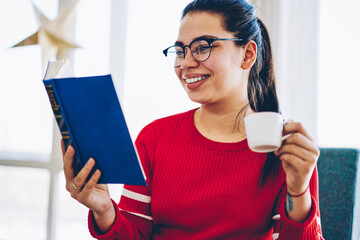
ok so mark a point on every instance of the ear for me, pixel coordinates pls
(250, 55)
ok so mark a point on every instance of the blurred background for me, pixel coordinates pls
(316, 62)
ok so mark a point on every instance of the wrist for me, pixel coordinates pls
(103, 208)
(298, 207)
(299, 194)
(105, 218)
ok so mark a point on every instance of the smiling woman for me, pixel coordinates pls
(151, 90)
(219, 188)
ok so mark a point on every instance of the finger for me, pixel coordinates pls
(62, 147)
(93, 180)
(301, 153)
(301, 168)
(68, 160)
(302, 141)
(74, 190)
(293, 127)
(80, 179)
(296, 163)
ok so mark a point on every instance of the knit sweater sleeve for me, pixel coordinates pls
(133, 213)
(310, 229)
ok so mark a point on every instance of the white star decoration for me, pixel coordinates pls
(52, 35)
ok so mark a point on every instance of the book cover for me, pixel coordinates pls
(90, 118)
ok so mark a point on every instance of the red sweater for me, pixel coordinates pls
(201, 189)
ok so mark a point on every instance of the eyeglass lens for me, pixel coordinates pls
(200, 50)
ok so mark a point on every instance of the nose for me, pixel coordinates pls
(189, 60)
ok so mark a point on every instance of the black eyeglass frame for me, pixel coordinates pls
(210, 41)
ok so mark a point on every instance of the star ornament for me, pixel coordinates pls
(53, 35)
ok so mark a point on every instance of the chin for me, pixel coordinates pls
(197, 99)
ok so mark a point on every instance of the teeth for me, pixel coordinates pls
(196, 79)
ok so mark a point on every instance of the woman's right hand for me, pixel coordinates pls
(94, 196)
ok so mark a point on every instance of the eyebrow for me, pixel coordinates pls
(197, 38)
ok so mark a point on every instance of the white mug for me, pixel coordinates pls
(264, 131)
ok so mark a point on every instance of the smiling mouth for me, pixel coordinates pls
(195, 79)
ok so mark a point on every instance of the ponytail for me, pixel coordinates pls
(262, 93)
(261, 86)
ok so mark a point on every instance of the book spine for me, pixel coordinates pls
(60, 120)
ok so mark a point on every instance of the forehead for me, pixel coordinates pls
(203, 23)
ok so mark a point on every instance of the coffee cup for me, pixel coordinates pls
(264, 131)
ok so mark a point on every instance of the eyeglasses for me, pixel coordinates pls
(200, 49)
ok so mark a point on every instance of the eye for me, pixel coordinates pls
(179, 53)
(175, 51)
(200, 47)
(203, 49)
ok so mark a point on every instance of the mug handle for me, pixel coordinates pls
(287, 135)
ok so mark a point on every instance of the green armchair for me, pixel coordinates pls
(339, 193)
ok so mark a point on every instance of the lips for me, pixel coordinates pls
(194, 78)
(194, 81)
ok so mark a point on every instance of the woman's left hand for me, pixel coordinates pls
(299, 156)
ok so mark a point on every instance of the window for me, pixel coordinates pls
(23, 202)
(36, 194)
(25, 125)
(152, 88)
(149, 90)
(26, 121)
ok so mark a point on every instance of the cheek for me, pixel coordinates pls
(215, 67)
(211, 66)
(178, 72)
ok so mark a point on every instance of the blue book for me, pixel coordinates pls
(90, 118)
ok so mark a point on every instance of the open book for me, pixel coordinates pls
(90, 118)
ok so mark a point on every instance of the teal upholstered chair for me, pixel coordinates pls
(339, 193)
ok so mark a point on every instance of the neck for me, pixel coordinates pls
(222, 124)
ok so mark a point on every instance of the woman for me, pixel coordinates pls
(203, 181)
